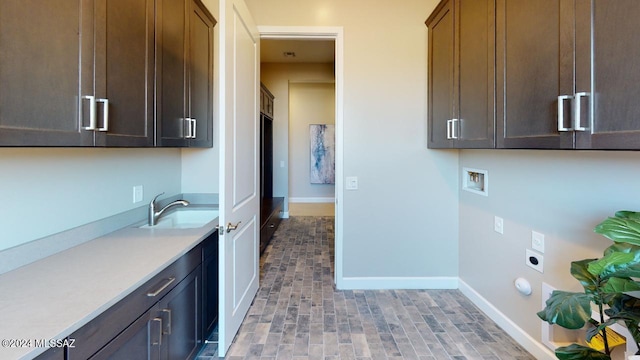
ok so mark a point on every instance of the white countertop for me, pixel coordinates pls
(53, 297)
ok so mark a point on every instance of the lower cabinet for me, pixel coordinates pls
(168, 317)
(169, 330)
(57, 353)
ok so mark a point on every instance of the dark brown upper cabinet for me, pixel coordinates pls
(124, 72)
(185, 74)
(568, 74)
(607, 74)
(534, 65)
(41, 71)
(462, 74)
(78, 73)
(83, 73)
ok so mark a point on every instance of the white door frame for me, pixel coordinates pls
(337, 34)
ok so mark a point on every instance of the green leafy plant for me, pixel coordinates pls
(606, 282)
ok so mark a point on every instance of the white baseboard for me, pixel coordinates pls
(388, 283)
(312, 200)
(537, 349)
(285, 214)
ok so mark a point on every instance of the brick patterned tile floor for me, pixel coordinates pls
(298, 314)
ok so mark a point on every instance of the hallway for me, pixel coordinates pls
(297, 313)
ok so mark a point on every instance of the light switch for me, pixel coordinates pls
(498, 225)
(352, 183)
(537, 241)
(137, 193)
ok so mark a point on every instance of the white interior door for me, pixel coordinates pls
(239, 196)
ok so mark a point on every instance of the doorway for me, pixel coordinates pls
(309, 35)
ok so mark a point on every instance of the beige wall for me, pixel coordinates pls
(409, 194)
(562, 194)
(402, 223)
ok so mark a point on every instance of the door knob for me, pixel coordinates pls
(231, 227)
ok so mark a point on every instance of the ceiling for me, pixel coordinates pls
(306, 51)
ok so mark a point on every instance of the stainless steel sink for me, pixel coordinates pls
(184, 218)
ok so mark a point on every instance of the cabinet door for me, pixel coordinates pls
(124, 72)
(45, 54)
(534, 65)
(53, 354)
(610, 114)
(441, 75)
(201, 75)
(141, 340)
(179, 311)
(171, 63)
(475, 56)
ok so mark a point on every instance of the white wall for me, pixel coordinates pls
(46, 191)
(276, 78)
(402, 223)
(309, 103)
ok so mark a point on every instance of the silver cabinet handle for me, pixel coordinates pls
(577, 115)
(187, 124)
(561, 100)
(105, 114)
(159, 290)
(167, 328)
(195, 125)
(157, 342)
(92, 112)
(454, 128)
(231, 227)
(449, 129)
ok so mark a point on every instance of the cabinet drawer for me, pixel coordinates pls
(269, 227)
(97, 333)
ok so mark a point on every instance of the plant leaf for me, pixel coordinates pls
(618, 285)
(595, 330)
(620, 229)
(579, 352)
(625, 214)
(579, 270)
(567, 309)
(621, 247)
(626, 308)
(609, 262)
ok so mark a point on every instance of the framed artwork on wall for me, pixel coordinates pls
(323, 153)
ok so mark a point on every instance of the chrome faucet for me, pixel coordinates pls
(154, 215)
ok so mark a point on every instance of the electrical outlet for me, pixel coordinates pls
(534, 260)
(137, 193)
(498, 225)
(537, 241)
